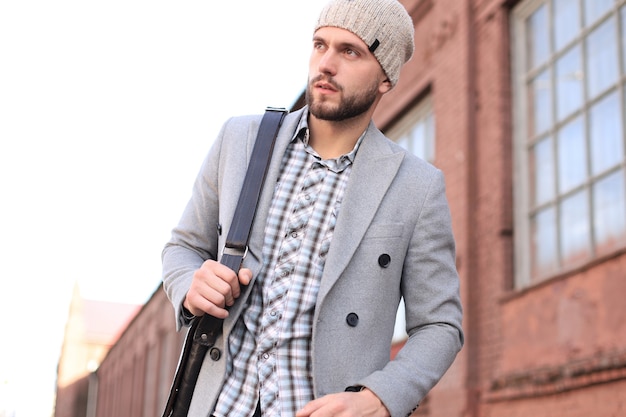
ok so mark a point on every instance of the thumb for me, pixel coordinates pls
(245, 276)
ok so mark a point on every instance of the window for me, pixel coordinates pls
(416, 133)
(416, 130)
(569, 72)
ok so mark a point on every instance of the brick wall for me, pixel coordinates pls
(135, 377)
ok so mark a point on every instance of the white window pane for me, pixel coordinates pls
(572, 159)
(574, 228)
(418, 140)
(429, 146)
(623, 25)
(595, 9)
(569, 86)
(540, 118)
(404, 142)
(543, 171)
(606, 134)
(537, 30)
(545, 256)
(399, 330)
(566, 22)
(609, 204)
(602, 64)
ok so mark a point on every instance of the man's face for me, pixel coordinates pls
(345, 79)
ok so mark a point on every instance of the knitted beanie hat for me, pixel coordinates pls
(384, 26)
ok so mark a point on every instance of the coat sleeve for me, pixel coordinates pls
(430, 287)
(195, 238)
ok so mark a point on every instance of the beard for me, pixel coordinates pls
(348, 107)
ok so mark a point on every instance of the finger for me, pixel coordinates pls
(310, 408)
(218, 277)
(226, 275)
(210, 290)
(206, 301)
(245, 276)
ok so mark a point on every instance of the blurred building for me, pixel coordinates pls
(135, 377)
(521, 105)
(92, 328)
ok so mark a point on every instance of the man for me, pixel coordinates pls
(347, 224)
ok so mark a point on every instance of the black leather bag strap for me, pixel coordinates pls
(236, 247)
(237, 240)
(205, 330)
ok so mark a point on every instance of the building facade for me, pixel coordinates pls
(92, 328)
(521, 105)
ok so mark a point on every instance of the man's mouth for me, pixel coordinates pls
(328, 85)
(325, 86)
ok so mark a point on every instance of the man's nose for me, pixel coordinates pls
(328, 63)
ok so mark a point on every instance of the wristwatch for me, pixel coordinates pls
(355, 388)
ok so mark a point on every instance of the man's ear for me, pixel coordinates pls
(385, 86)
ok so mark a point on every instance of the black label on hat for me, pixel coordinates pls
(374, 45)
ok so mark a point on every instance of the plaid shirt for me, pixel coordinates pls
(270, 345)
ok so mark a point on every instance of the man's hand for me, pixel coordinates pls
(345, 404)
(213, 288)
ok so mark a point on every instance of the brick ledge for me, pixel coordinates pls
(598, 369)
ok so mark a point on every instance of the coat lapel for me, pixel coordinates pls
(373, 171)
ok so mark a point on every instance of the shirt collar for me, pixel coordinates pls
(302, 133)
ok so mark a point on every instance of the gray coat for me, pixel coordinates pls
(392, 239)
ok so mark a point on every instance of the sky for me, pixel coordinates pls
(107, 109)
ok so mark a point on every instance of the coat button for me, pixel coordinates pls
(384, 260)
(352, 319)
(215, 354)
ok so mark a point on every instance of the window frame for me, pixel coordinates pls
(406, 124)
(524, 141)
